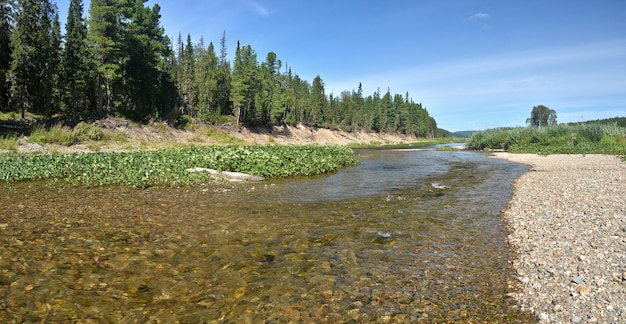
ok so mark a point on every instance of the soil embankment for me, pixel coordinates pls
(122, 135)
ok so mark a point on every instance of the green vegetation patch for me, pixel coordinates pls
(168, 166)
(63, 135)
(562, 138)
(9, 142)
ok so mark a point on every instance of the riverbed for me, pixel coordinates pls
(406, 236)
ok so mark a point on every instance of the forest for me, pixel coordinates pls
(117, 60)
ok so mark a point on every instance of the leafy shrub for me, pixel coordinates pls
(168, 166)
(562, 138)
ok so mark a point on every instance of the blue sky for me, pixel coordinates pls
(472, 64)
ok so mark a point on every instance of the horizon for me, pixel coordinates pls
(473, 66)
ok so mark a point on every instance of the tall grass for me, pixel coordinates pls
(63, 135)
(562, 138)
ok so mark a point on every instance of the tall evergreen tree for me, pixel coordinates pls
(53, 68)
(105, 41)
(207, 82)
(187, 78)
(76, 63)
(319, 102)
(145, 46)
(5, 54)
(34, 57)
(245, 85)
(223, 81)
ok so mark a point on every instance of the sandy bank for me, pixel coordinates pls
(567, 221)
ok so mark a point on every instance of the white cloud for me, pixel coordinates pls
(259, 9)
(479, 15)
(574, 80)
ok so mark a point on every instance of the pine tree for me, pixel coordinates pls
(145, 47)
(223, 81)
(245, 85)
(105, 43)
(76, 63)
(53, 69)
(5, 54)
(319, 102)
(187, 78)
(206, 81)
(34, 57)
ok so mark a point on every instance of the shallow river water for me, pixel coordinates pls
(406, 236)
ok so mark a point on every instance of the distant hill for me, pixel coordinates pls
(444, 133)
(619, 121)
(464, 133)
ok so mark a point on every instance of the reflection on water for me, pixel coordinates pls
(406, 236)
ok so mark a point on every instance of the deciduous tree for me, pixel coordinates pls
(541, 116)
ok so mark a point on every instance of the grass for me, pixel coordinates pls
(9, 142)
(168, 166)
(562, 138)
(222, 137)
(447, 148)
(66, 136)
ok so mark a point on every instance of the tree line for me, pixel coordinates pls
(120, 62)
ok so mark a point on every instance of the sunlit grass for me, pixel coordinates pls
(9, 142)
(563, 138)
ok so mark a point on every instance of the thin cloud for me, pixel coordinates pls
(479, 15)
(259, 9)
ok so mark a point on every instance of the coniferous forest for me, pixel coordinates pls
(115, 59)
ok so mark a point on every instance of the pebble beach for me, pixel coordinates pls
(567, 225)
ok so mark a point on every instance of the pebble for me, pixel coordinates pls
(567, 215)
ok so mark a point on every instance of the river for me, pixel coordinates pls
(408, 235)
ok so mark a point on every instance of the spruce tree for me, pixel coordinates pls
(104, 37)
(76, 63)
(34, 57)
(5, 54)
(206, 82)
(145, 46)
(223, 81)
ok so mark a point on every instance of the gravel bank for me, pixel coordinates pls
(567, 219)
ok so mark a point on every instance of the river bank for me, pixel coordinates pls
(567, 221)
(115, 134)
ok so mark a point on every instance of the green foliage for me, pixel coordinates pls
(562, 138)
(9, 142)
(63, 135)
(222, 137)
(541, 116)
(5, 58)
(120, 63)
(447, 148)
(57, 134)
(35, 46)
(168, 167)
(78, 83)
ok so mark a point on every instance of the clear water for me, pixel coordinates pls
(406, 236)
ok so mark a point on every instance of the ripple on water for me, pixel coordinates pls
(300, 250)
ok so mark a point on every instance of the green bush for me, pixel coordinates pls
(562, 138)
(168, 166)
